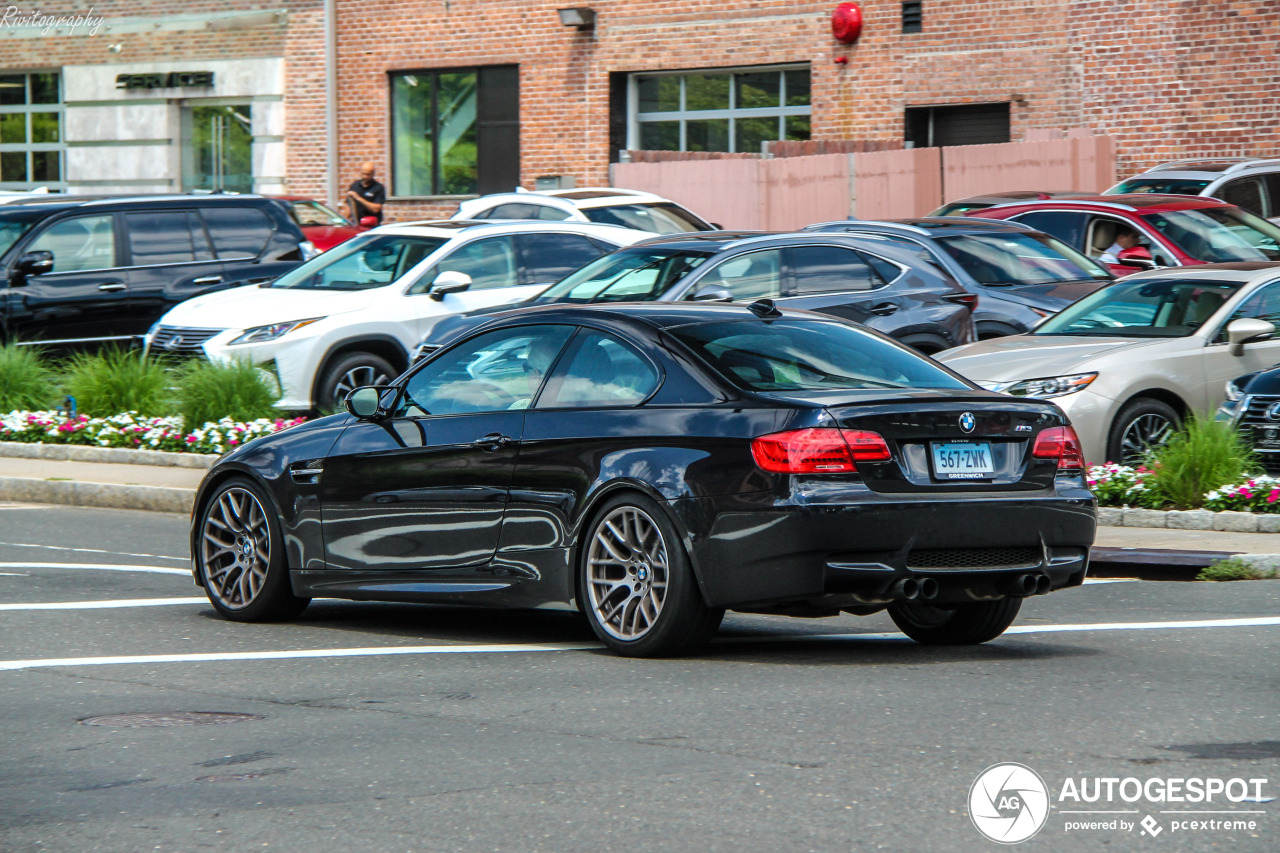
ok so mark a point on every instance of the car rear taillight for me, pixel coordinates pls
(818, 451)
(1060, 443)
(969, 300)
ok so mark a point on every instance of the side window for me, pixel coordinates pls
(490, 262)
(1245, 193)
(513, 211)
(757, 275)
(165, 237)
(238, 233)
(495, 372)
(1263, 305)
(599, 370)
(828, 269)
(1063, 224)
(1273, 195)
(80, 243)
(550, 257)
(547, 213)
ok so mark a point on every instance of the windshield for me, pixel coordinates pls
(809, 355)
(1218, 234)
(365, 262)
(627, 276)
(1006, 260)
(1162, 186)
(1152, 308)
(314, 213)
(660, 218)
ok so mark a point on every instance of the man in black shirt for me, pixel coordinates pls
(366, 196)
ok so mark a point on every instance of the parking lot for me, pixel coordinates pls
(386, 727)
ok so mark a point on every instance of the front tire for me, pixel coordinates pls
(963, 625)
(1141, 426)
(635, 583)
(349, 371)
(240, 555)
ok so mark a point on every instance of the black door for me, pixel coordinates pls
(427, 488)
(86, 295)
(170, 260)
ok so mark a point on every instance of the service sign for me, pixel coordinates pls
(169, 80)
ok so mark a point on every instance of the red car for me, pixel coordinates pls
(1174, 230)
(323, 227)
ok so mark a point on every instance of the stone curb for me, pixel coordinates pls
(1189, 519)
(70, 492)
(123, 455)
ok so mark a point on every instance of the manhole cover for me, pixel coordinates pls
(178, 718)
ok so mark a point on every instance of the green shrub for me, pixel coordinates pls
(1234, 569)
(117, 380)
(1200, 456)
(26, 381)
(209, 391)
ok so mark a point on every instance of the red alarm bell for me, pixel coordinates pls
(846, 22)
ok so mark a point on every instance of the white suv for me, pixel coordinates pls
(605, 205)
(1251, 183)
(351, 316)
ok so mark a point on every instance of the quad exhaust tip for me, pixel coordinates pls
(913, 589)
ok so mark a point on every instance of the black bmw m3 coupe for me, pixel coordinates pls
(653, 465)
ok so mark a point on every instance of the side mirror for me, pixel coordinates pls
(1240, 332)
(368, 402)
(449, 281)
(368, 221)
(1138, 256)
(713, 293)
(32, 264)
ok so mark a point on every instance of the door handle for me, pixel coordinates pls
(493, 441)
(884, 309)
(112, 287)
(207, 279)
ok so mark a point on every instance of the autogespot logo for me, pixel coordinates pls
(1009, 803)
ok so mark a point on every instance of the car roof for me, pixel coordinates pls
(1213, 165)
(924, 226)
(660, 315)
(1129, 202)
(72, 201)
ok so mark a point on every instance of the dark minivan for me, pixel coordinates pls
(91, 270)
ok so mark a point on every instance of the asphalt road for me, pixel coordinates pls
(416, 728)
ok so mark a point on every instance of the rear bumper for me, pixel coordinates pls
(974, 546)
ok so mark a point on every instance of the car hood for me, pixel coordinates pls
(1052, 297)
(1034, 356)
(246, 307)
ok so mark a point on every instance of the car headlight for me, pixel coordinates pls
(1049, 386)
(261, 334)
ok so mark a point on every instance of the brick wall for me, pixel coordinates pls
(1165, 78)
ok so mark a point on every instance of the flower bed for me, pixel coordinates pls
(1126, 486)
(133, 431)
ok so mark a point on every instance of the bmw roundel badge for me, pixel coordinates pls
(968, 422)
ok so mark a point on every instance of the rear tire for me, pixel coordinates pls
(240, 556)
(635, 583)
(963, 625)
(348, 371)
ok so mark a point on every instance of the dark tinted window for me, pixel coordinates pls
(512, 211)
(805, 355)
(1273, 194)
(165, 237)
(237, 232)
(599, 370)
(1063, 224)
(1161, 186)
(1246, 193)
(550, 257)
(822, 269)
(1263, 305)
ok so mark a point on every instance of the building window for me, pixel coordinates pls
(724, 110)
(455, 132)
(31, 144)
(962, 124)
(913, 16)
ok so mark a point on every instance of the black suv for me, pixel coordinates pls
(887, 287)
(1020, 275)
(90, 270)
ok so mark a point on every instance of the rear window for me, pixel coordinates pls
(237, 232)
(1160, 186)
(809, 355)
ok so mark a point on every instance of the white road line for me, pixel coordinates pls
(479, 648)
(110, 567)
(1110, 580)
(91, 551)
(103, 605)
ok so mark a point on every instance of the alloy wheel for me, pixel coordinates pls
(1143, 434)
(356, 377)
(235, 548)
(627, 573)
